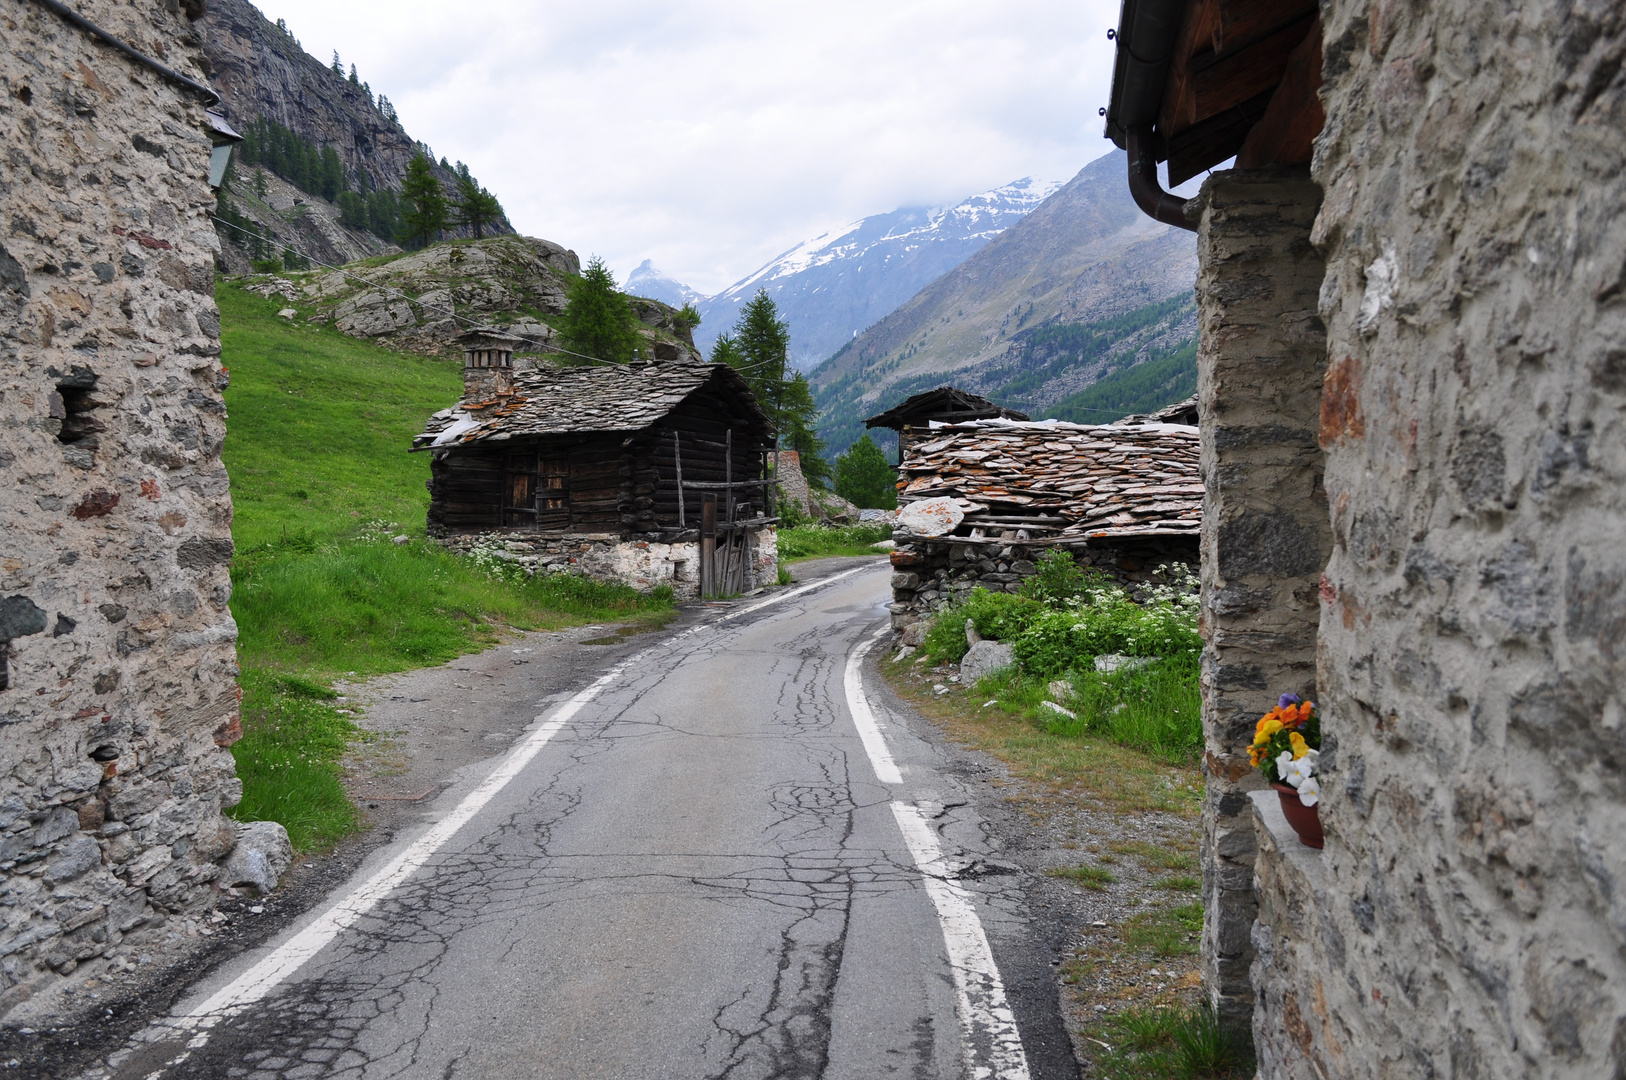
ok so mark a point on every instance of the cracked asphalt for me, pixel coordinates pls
(698, 875)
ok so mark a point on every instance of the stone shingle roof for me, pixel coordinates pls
(610, 398)
(1063, 482)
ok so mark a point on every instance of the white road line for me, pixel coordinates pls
(886, 770)
(259, 980)
(988, 1032)
(987, 1025)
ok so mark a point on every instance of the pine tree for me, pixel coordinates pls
(474, 206)
(338, 68)
(763, 340)
(598, 322)
(425, 215)
(865, 479)
(355, 80)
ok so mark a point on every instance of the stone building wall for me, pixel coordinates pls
(1260, 358)
(120, 693)
(1470, 920)
(642, 564)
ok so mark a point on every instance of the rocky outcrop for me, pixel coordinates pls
(422, 300)
(289, 217)
(261, 71)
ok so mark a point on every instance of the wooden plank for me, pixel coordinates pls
(1212, 141)
(1285, 135)
(1239, 23)
(1178, 110)
(1244, 74)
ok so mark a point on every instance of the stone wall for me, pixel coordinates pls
(1472, 656)
(930, 574)
(1260, 358)
(120, 690)
(642, 564)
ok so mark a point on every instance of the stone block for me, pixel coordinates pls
(260, 858)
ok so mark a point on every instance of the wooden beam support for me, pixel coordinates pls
(1237, 76)
(1285, 135)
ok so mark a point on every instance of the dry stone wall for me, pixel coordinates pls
(1260, 358)
(1472, 658)
(119, 688)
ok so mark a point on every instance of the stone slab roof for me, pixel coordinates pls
(610, 398)
(1062, 482)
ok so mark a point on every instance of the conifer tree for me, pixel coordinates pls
(425, 214)
(355, 80)
(799, 433)
(762, 341)
(865, 479)
(598, 321)
(338, 68)
(474, 206)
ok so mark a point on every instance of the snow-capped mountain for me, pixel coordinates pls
(833, 286)
(649, 282)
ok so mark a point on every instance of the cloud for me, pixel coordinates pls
(711, 136)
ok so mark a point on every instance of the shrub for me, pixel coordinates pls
(1000, 616)
(1060, 641)
(1057, 580)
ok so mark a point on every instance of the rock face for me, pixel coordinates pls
(261, 71)
(118, 696)
(260, 858)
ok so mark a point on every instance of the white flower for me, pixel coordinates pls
(1296, 772)
(1310, 791)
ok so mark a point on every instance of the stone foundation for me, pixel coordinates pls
(118, 692)
(644, 564)
(930, 574)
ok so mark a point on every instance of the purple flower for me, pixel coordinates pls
(1288, 699)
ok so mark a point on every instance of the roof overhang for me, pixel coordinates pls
(1196, 82)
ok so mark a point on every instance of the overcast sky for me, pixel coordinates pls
(710, 136)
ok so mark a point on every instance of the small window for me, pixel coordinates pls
(536, 491)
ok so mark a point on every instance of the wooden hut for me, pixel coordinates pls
(648, 452)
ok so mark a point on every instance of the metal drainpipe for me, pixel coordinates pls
(1149, 194)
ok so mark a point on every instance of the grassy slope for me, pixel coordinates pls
(316, 447)
(320, 424)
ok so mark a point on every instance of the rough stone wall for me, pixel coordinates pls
(643, 564)
(1260, 358)
(120, 670)
(1473, 635)
(929, 575)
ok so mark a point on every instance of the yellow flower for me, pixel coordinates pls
(1270, 727)
(1300, 747)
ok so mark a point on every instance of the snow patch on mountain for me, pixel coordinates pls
(647, 281)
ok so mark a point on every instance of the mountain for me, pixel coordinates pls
(315, 134)
(1082, 289)
(833, 286)
(649, 282)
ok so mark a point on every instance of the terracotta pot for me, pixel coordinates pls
(1306, 820)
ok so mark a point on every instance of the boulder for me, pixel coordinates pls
(971, 635)
(985, 658)
(1060, 690)
(915, 634)
(260, 858)
(930, 517)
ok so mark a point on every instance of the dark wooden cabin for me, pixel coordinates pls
(914, 416)
(596, 449)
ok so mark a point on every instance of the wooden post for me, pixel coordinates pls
(677, 458)
(708, 544)
(728, 470)
(771, 478)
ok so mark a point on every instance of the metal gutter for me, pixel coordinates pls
(67, 14)
(1146, 34)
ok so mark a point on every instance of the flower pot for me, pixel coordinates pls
(1306, 820)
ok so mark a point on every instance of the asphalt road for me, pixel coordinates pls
(722, 859)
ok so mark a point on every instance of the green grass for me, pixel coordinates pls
(1168, 1044)
(1166, 932)
(1156, 709)
(288, 759)
(819, 541)
(1091, 877)
(316, 448)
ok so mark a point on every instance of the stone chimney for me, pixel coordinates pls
(488, 364)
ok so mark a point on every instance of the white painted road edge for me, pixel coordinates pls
(988, 1032)
(259, 980)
